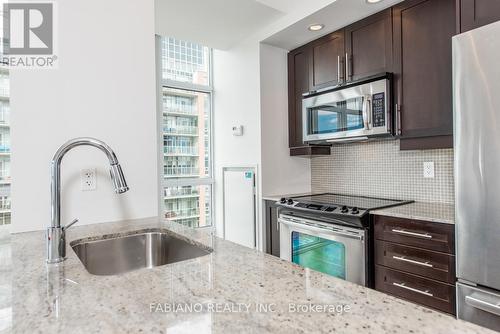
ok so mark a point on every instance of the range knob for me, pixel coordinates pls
(355, 211)
(282, 200)
(344, 209)
(289, 201)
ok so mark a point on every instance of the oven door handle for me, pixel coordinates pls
(311, 227)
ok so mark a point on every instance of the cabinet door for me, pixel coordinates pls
(327, 60)
(272, 229)
(423, 69)
(369, 46)
(298, 84)
(275, 236)
(477, 13)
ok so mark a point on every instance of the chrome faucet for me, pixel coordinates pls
(56, 234)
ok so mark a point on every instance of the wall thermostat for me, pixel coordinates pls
(238, 130)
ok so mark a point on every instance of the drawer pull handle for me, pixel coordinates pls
(404, 259)
(404, 286)
(413, 234)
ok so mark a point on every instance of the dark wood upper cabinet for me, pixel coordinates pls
(477, 13)
(298, 83)
(413, 41)
(300, 78)
(327, 60)
(423, 71)
(368, 46)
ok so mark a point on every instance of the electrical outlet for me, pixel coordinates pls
(88, 179)
(429, 169)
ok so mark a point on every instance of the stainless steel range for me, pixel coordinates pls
(330, 233)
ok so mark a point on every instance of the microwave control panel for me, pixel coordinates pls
(378, 109)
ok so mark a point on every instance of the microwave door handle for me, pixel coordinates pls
(366, 112)
(370, 112)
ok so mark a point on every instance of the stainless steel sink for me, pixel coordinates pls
(141, 249)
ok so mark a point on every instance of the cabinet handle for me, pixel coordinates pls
(413, 234)
(404, 286)
(398, 115)
(338, 69)
(404, 259)
(347, 74)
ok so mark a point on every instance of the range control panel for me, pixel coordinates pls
(320, 208)
(378, 109)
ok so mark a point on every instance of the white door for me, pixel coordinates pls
(239, 206)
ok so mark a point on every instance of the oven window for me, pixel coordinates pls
(336, 117)
(319, 254)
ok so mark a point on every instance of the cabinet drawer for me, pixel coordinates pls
(420, 290)
(432, 236)
(430, 264)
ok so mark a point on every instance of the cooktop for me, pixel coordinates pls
(339, 204)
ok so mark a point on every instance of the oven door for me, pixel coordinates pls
(331, 249)
(357, 111)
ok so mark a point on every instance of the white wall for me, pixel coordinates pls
(104, 88)
(250, 83)
(236, 102)
(281, 174)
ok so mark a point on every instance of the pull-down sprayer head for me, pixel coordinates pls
(118, 179)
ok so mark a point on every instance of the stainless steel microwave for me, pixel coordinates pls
(349, 113)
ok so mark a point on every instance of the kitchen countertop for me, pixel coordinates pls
(67, 299)
(433, 212)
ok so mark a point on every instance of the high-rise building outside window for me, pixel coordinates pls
(186, 106)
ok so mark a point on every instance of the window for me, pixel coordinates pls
(186, 106)
(4, 147)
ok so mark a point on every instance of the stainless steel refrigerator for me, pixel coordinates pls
(476, 90)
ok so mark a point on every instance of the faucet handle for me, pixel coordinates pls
(71, 224)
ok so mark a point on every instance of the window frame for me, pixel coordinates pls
(188, 181)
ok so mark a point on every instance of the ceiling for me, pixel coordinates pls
(285, 6)
(221, 24)
(334, 16)
(216, 23)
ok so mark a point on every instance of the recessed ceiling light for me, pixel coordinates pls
(373, 1)
(316, 27)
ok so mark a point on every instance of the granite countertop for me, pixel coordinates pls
(433, 212)
(65, 298)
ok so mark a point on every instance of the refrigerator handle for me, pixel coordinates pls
(487, 306)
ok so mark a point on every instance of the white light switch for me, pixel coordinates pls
(429, 169)
(238, 130)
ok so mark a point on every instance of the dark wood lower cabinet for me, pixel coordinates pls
(427, 235)
(415, 260)
(272, 229)
(426, 263)
(434, 294)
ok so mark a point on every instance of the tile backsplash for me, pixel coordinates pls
(380, 169)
